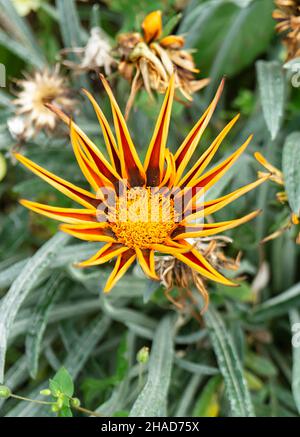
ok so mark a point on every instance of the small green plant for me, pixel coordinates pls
(61, 390)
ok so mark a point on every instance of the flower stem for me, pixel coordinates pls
(85, 410)
(22, 398)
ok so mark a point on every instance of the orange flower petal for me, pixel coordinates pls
(90, 172)
(201, 185)
(123, 263)
(208, 155)
(106, 253)
(172, 41)
(67, 215)
(109, 138)
(92, 232)
(188, 230)
(197, 262)
(146, 261)
(187, 148)
(154, 161)
(78, 194)
(94, 155)
(152, 26)
(212, 206)
(131, 166)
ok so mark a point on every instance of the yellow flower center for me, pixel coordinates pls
(143, 217)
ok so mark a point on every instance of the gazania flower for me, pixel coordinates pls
(291, 219)
(95, 55)
(37, 90)
(176, 275)
(150, 59)
(138, 209)
(288, 17)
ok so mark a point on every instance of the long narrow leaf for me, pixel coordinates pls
(152, 400)
(20, 288)
(229, 365)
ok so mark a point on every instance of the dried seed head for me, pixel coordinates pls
(288, 22)
(35, 92)
(149, 60)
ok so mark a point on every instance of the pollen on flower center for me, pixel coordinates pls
(143, 217)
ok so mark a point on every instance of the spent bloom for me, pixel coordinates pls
(175, 275)
(37, 90)
(149, 59)
(288, 22)
(95, 55)
(138, 209)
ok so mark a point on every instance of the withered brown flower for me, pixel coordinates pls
(149, 59)
(174, 274)
(37, 90)
(288, 17)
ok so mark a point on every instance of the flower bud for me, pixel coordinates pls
(143, 355)
(4, 392)
(45, 392)
(75, 402)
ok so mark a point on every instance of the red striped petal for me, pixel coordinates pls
(154, 161)
(66, 215)
(95, 232)
(123, 263)
(190, 143)
(106, 253)
(109, 138)
(78, 194)
(131, 166)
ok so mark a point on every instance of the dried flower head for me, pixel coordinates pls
(288, 17)
(138, 209)
(276, 175)
(174, 274)
(36, 91)
(19, 129)
(149, 59)
(96, 55)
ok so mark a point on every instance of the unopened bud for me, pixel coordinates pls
(60, 403)
(55, 408)
(45, 392)
(143, 355)
(75, 402)
(4, 392)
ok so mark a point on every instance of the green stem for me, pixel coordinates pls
(22, 398)
(85, 410)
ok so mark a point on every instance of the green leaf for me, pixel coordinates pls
(20, 31)
(233, 39)
(65, 412)
(290, 168)
(229, 365)
(272, 94)
(260, 365)
(62, 381)
(152, 401)
(12, 301)
(207, 404)
(278, 305)
(69, 23)
(39, 321)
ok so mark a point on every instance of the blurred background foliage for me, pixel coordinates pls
(240, 360)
